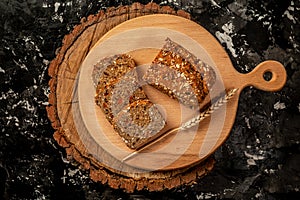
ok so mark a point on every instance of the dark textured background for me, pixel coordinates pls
(260, 159)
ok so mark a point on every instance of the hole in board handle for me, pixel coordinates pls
(268, 75)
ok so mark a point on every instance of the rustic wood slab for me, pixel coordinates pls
(81, 127)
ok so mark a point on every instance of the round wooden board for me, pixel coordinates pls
(143, 41)
(78, 121)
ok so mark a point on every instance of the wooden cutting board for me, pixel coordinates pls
(142, 38)
(99, 148)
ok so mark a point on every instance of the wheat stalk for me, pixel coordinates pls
(191, 123)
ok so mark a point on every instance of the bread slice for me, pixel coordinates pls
(139, 123)
(181, 75)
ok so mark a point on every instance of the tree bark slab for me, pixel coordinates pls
(63, 71)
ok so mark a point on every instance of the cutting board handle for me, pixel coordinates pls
(256, 77)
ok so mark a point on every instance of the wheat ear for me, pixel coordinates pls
(209, 110)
